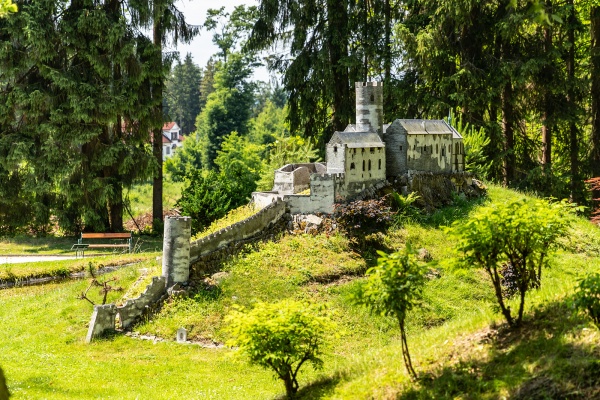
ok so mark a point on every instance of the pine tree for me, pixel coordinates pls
(182, 94)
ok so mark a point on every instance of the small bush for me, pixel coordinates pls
(519, 233)
(587, 297)
(364, 215)
(281, 336)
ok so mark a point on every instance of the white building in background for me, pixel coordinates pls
(171, 139)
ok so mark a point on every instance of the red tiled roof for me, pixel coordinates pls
(168, 126)
(166, 139)
(181, 137)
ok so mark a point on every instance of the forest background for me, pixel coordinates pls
(86, 87)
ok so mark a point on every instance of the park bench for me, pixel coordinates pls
(80, 247)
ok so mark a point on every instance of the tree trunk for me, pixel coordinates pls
(508, 163)
(595, 93)
(575, 184)
(157, 183)
(546, 114)
(337, 42)
(405, 353)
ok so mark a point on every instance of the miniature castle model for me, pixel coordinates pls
(365, 155)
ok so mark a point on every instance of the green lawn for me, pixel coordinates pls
(460, 347)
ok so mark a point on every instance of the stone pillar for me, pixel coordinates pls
(369, 106)
(176, 250)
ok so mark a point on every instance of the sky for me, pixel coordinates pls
(202, 46)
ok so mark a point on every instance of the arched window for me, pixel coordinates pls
(369, 165)
(352, 166)
(363, 165)
(380, 163)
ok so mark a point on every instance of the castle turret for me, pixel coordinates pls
(369, 106)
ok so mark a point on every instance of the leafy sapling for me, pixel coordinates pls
(520, 234)
(587, 297)
(282, 336)
(393, 287)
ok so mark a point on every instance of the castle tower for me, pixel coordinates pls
(369, 106)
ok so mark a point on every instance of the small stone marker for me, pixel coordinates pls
(181, 335)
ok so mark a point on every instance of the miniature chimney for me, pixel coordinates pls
(369, 106)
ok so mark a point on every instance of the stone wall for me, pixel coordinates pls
(240, 231)
(295, 178)
(103, 317)
(213, 261)
(437, 190)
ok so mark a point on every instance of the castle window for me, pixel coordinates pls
(380, 163)
(372, 150)
(363, 165)
(369, 165)
(335, 149)
(400, 148)
(436, 149)
(352, 166)
(372, 98)
(363, 150)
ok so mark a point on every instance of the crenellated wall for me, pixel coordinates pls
(103, 317)
(239, 231)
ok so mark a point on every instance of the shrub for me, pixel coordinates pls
(394, 286)
(587, 297)
(404, 207)
(364, 215)
(205, 199)
(520, 233)
(281, 336)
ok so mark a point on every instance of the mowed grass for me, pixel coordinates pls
(43, 354)
(460, 347)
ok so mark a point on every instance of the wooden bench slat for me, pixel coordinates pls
(106, 235)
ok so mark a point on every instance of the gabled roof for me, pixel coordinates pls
(165, 139)
(428, 127)
(170, 125)
(356, 139)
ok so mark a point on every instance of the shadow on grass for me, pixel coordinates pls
(541, 360)
(315, 390)
(445, 216)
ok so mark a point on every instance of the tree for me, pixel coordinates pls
(207, 83)
(282, 336)
(182, 94)
(519, 235)
(167, 22)
(240, 164)
(228, 107)
(205, 198)
(393, 287)
(6, 7)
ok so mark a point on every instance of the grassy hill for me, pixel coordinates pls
(460, 346)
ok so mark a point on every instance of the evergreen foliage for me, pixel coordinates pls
(182, 94)
(205, 198)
